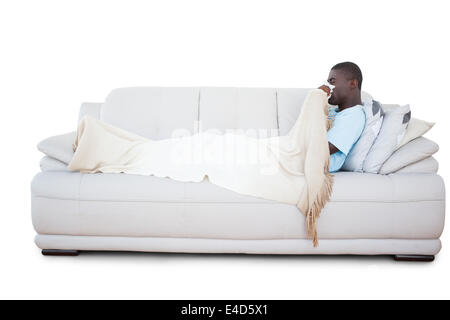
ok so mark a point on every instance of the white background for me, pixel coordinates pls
(56, 54)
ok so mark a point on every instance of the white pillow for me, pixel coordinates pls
(415, 150)
(358, 153)
(366, 97)
(415, 129)
(427, 165)
(59, 147)
(392, 130)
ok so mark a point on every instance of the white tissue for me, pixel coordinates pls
(326, 83)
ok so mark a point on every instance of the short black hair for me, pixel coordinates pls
(352, 70)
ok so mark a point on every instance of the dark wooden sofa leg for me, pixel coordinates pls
(418, 258)
(67, 253)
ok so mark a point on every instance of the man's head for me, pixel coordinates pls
(347, 79)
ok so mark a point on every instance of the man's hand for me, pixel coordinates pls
(332, 148)
(326, 89)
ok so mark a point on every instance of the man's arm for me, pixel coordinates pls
(333, 149)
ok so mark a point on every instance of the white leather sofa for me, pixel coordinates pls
(399, 214)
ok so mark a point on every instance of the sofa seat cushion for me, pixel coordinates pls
(391, 206)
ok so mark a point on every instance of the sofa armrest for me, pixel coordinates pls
(51, 164)
(414, 151)
(427, 165)
(90, 108)
(59, 147)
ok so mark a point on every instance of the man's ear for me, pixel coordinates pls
(353, 83)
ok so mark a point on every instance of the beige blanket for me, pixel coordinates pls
(292, 169)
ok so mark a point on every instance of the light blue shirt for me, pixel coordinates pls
(348, 126)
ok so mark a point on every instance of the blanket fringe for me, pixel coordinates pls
(329, 124)
(314, 212)
(322, 198)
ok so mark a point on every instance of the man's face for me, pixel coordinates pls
(342, 88)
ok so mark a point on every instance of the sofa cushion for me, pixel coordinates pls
(389, 206)
(289, 103)
(135, 187)
(252, 111)
(153, 112)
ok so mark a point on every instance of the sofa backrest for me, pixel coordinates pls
(250, 110)
(152, 112)
(162, 112)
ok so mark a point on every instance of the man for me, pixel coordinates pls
(349, 116)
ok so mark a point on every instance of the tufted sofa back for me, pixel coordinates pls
(162, 112)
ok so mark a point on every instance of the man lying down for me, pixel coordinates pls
(294, 168)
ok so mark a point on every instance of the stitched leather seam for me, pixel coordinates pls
(229, 202)
(231, 239)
